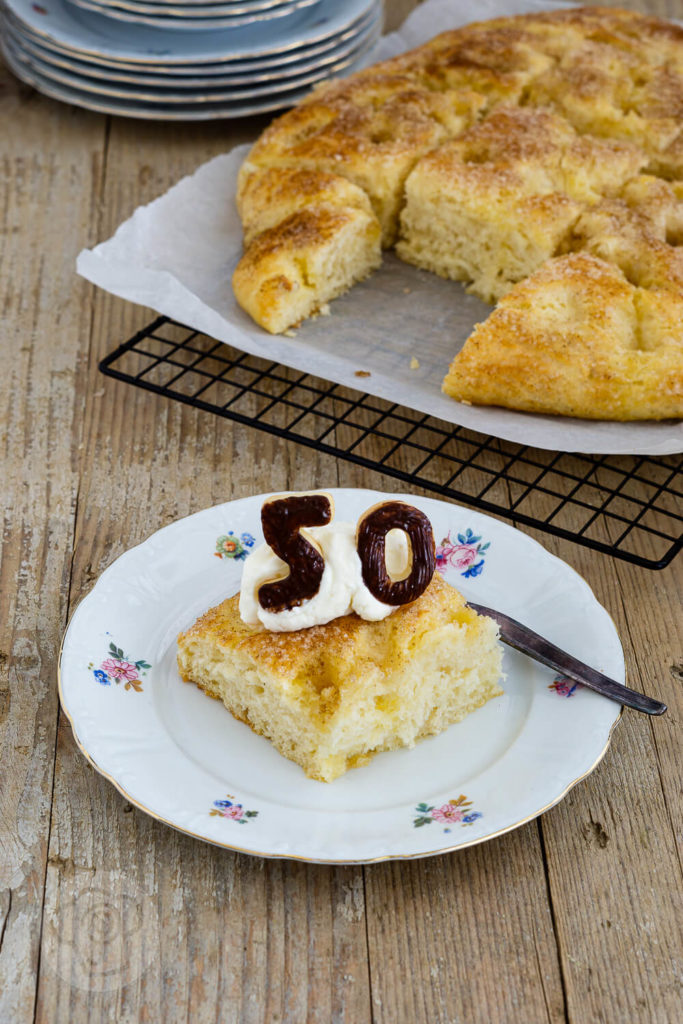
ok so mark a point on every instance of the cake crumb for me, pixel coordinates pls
(414, 363)
(407, 291)
(362, 373)
(289, 333)
(464, 401)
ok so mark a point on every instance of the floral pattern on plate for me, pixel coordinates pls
(454, 812)
(466, 553)
(231, 546)
(118, 668)
(564, 686)
(229, 808)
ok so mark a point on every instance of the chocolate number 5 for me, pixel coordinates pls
(282, 520)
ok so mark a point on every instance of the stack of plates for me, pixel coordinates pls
(194, 14)
(109, 65)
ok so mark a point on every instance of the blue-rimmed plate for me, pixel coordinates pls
(284, 65)
(80, 33)
(166, 16)
(182, 758)
(207, 76)
(220, 98)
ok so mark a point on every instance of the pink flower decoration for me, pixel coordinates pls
(119, 669)
(236, 812)
(443, 554)
(462, 555)
(448, 813)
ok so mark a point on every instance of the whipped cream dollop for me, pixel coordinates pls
(342, 589)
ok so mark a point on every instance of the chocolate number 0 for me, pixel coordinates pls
(371, 536)
(282, 520)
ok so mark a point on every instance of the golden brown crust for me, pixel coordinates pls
(318, 657)
(287, 272)
(370, 128)
(669, 162)
(491, 206)
(519, 152)
(269, 196)
(631, 239)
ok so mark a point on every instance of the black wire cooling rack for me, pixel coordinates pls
(628, 506)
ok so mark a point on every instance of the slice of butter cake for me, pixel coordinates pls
(577, 338)
(290, 271)
(331, 697)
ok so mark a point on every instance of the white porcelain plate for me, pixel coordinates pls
(180, 756)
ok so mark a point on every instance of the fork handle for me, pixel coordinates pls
(526, 640)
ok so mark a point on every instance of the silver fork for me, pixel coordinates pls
(524, 639)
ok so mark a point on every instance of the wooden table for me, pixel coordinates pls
(107, 915)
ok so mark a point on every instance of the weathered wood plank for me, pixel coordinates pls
(51, 171)
(472, 933)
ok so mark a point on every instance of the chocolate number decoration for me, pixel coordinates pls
(371, 535)
(282, 519)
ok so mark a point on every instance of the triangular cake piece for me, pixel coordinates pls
(577, 339)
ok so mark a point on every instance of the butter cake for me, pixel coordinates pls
(481, 155)
(331, 697)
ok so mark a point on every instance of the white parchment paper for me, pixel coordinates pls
(177, 254)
